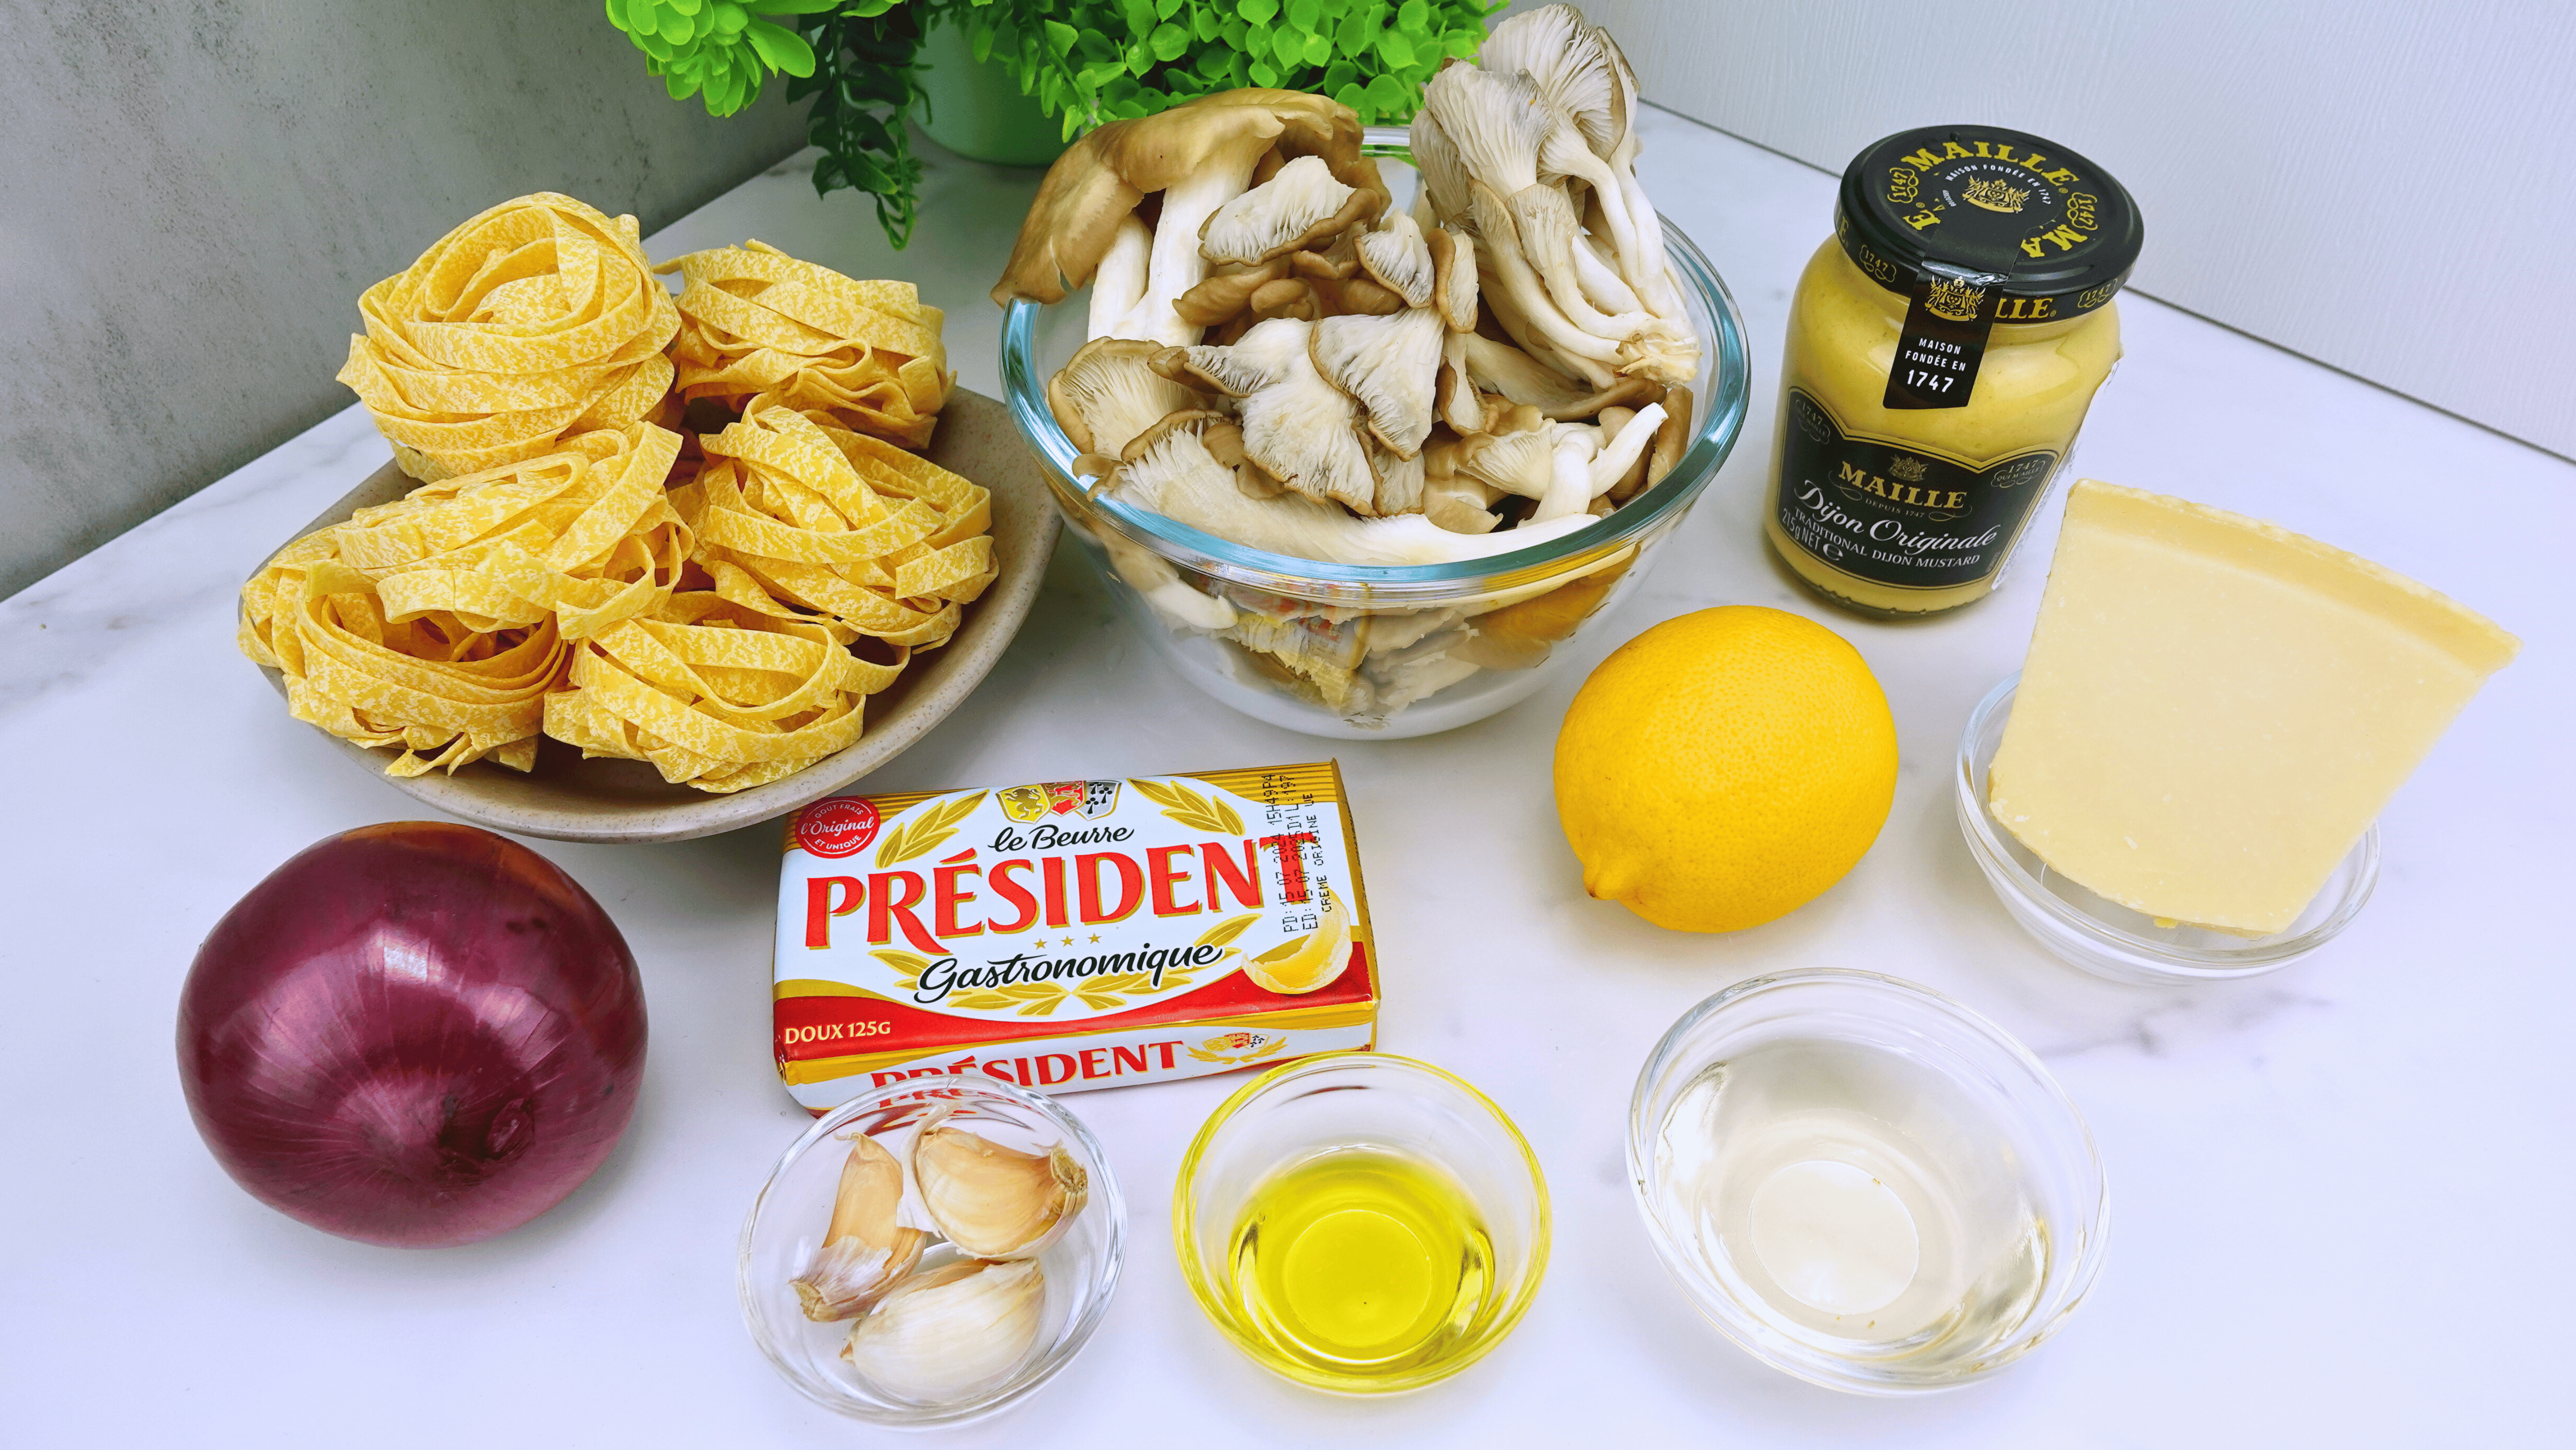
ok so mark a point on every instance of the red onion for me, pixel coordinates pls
(413, 1034)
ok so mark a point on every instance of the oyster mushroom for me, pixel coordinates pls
(1206, 421)
(992, 1201)
(1389, 364)
(1361, 295)
(1180, 480)
(1120, 283)
(1460, 504)
(1396, 255)
(1499, 367)
(1672, 439)
(1454, 398)
(1304, 203)
(1562, 465)
(1582, 74)
(1624, 445)
(1297, 425)
(1498, 126)
(1199, 156)
(1108, 392)
(1399, 481)
(1453, 276)
(1325, 653)
(1226, 291)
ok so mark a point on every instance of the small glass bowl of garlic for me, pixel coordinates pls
(932, 1251)
(1359, 645)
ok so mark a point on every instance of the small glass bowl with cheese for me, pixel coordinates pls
(1863, 1183)
(2107, 939)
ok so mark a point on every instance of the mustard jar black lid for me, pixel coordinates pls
(2046, 231)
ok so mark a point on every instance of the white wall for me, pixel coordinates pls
(2383, 185)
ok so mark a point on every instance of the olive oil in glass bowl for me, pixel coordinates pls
(1361, 1223)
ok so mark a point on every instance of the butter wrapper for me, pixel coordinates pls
(1072, 934)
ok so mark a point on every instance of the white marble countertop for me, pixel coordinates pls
(2341, 1192)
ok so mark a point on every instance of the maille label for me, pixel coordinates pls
(1890, 513)
(1944, 340)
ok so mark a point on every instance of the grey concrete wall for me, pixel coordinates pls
(194, 192)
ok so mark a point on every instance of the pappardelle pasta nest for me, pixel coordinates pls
(720, 606)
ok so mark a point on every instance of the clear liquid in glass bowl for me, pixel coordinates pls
(1863, 1183)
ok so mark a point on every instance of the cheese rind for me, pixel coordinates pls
(2214, 709)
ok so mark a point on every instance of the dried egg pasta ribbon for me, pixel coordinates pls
(716, 696)
(586, 536)
(536, 319)
(426, 685)
(758, 322)
(783, 502)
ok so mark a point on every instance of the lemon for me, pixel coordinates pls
(1724, 768)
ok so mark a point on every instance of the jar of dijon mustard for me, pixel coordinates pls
(1943, 347)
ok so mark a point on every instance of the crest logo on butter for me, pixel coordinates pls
(1089, 799)
(1233, 1049)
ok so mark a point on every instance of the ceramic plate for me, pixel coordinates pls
(568, 798)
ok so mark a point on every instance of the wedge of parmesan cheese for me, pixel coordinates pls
(2215, 709)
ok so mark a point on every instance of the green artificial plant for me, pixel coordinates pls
(1087, 61)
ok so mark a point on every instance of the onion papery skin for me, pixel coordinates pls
(414, 1034)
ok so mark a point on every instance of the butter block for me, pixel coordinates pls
(2215, 709)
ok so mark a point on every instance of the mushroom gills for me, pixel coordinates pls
(1303, 203)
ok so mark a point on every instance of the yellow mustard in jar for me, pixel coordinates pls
(1943, 347)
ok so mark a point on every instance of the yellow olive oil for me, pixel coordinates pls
(1360, 1265)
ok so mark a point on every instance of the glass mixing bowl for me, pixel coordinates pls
(794, 1209)
(1863, 1183)
(1370, 1102)
(1396, 620)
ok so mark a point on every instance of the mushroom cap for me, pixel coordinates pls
(1574, 63)
(1099, 180)
(1453, 276)
(1262, 356)
(1197, 420)
(1223, 294)
(1109, 392)
(1303, 204)
(1521, 463)
(1180, 480)
(1399, 481)
(1499, 367)
(1443, 170)
(1390, 365)
(1672, 439)
(1306, 432)
(1398, 257)
(1494, 119)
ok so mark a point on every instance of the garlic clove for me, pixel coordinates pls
(996, 1202)
(945, 1334)
(864, 1250)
